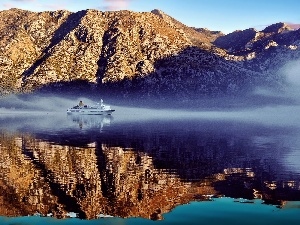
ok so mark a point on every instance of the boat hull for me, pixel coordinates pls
(89, 112)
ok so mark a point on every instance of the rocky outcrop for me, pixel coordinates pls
(236, 41)
(198, 36)
(252, 40)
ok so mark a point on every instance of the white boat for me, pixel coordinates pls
(98, 109)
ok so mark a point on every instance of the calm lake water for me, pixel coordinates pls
(151, 167)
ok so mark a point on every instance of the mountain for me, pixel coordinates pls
(128, 54)
(250, 40)
(197, 36)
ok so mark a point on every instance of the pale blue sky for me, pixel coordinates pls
(221, 15)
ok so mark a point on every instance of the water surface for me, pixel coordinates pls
(148, 165)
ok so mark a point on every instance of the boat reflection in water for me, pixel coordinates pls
(91, 121)
(102, 168)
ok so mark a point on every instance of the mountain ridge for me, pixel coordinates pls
(128, 53)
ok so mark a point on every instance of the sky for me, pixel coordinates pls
(216, 15)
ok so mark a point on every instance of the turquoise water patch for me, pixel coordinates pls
(219, 211)
(230, 211)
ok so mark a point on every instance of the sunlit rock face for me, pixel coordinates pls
(127, 53)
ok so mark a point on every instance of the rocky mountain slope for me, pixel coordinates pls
(250, 40)
(128, 53)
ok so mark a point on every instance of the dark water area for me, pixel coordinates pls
(150, 166)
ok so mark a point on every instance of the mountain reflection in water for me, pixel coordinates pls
(99, 166)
